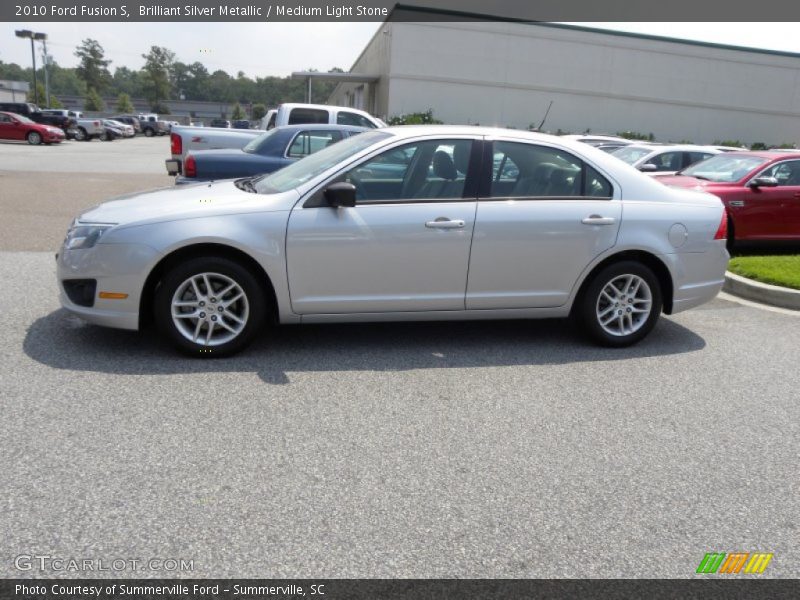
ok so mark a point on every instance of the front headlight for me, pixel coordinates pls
(81, 235)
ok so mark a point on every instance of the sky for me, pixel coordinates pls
(261, 49)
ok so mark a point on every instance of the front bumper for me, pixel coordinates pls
(117, 268)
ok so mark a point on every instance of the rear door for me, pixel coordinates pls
(542, 217)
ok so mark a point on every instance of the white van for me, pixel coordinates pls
(300, 114)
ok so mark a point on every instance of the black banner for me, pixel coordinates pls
(381, 589)
(409, 10)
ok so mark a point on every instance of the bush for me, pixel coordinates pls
(259, 112)
(635, 135)
(124, 104)
(418, 118)
(93, 102)
(160, 108)
(238, 112)
(758, 146)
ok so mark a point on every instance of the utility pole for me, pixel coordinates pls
(27, 33)
(46, 60)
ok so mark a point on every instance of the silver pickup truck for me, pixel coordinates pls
(186, 139)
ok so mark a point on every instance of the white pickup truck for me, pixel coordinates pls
(84, 129)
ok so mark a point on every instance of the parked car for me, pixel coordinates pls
(130, 120)
(152, 125)
(115, 129)
(304, 114)
(330, 238)
(663, 159)
(17, 127)
(37, 115)
(597, 140)
(187, 139)
(760, 190)
(220, 123)
(241, 124)
(266, 153)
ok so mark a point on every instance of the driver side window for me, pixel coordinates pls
(787, 173)
(431, 169)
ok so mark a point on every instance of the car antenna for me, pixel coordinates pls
(547, 112)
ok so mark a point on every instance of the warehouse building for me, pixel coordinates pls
(508, 73)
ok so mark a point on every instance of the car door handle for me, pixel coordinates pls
(598, 220)
(442, 223)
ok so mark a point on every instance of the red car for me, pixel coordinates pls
(17, 127)
(760, 190)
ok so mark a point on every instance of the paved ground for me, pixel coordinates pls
(508, 449)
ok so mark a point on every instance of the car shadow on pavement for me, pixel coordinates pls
(62, 341)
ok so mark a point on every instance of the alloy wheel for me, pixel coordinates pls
(210, 309)
(624, 305)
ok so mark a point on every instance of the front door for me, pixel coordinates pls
(404, 246)
(771, 212)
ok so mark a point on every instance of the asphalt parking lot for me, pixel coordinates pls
(507, 449)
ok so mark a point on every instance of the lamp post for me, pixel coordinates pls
(27, 33)
(42, 37)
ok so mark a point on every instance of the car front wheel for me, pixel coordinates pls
(621, 304)
(34, 138)
(210, 307)
(148, 132)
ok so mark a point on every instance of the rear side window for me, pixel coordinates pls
(532, 171)
(308, 142)
(299, 116)
(349, 118)
(668, 161)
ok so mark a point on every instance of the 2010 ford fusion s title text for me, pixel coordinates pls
(408, 223)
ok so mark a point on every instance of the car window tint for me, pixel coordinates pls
(349, 118)
(308, 142)
(667, 161)
(299, 116)
(4, 119)
(696, 157)
(787, 173)
(432, 169)
(529, 170)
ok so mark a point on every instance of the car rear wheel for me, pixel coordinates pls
(105, 137)
(210, 307)
(81, 135)
(621, 304)
(34, 138)
(149, 132)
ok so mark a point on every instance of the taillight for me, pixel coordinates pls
(190, 167)
(175, 144)
(722, 230)
(97, 123)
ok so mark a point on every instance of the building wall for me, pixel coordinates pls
(506, 74)
(13, 91)
(374, 60)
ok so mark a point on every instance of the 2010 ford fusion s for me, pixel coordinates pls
(407, 223)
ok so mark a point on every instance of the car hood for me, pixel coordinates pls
(186, 202)
(684, 181)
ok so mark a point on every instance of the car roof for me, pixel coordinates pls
(767, 154)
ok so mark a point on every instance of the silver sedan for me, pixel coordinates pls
(409, 223)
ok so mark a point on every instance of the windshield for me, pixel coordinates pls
(725, 168)
(258, 142)
(315, 164)
(23, 119)
(630, 154)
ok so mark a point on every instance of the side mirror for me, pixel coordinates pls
(341, 194)
(763, 182)
(648, 167)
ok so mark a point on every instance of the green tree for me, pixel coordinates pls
(54, 102)
(124, 104)
(93, 101)
(259, 111)
(157, 74)
(238, 112)
(93, 67)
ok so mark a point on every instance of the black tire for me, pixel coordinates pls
(81, 135)
(105, 137)
(730, 243)
(34, 138)
(148, 132)
(255, 301)
(592, 303)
